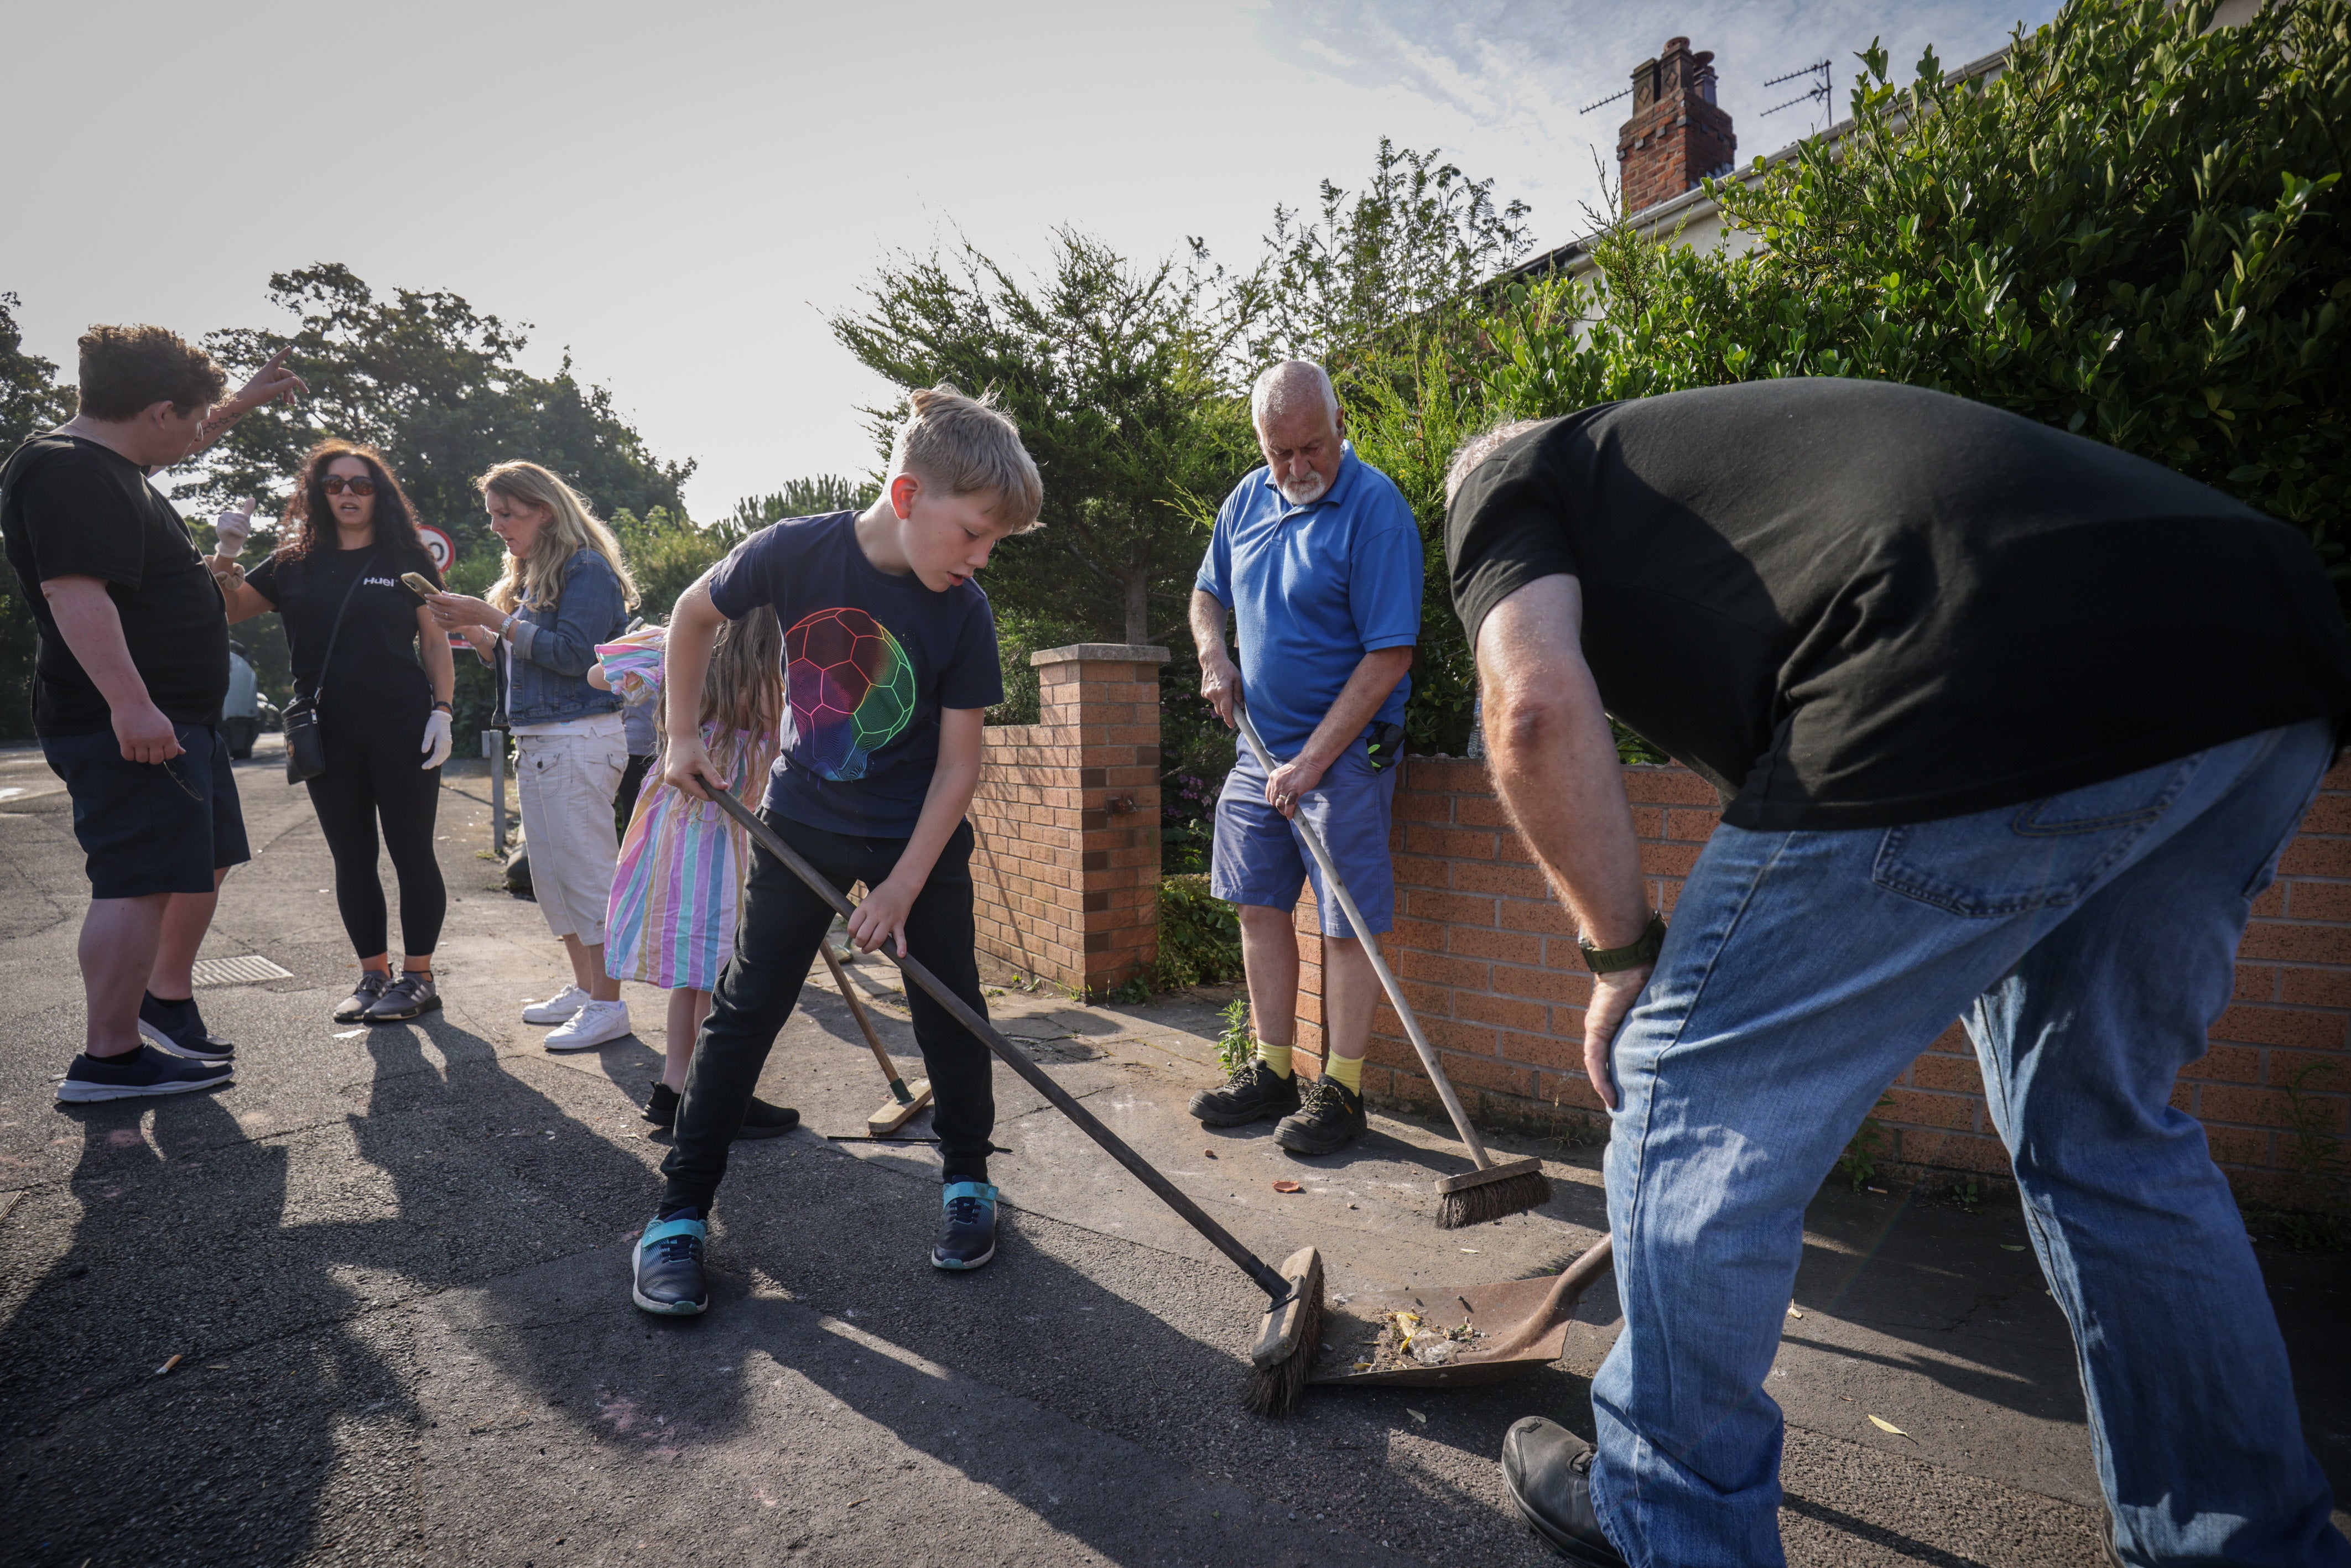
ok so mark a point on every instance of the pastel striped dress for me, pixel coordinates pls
(678, 888)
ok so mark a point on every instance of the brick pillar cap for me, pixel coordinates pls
(1125, 652)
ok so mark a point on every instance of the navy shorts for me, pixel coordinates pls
(149, 827)
(1259, 858)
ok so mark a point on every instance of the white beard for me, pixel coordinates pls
(1304, 492)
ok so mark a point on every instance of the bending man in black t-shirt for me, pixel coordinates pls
(128, 680)
(2009, 726)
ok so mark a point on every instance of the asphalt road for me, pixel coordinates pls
(393, 1266)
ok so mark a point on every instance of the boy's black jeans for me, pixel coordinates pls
(775, 943)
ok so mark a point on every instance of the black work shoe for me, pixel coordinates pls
(412, 994)
(1547, 1470)
(373, 985)
(967, 1229)
(1252, 1094)
(1329, 1117)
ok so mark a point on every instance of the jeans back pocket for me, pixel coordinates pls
(2046, 853)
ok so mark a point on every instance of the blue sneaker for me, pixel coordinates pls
(967, 1238)
(669, 1265)
(144, 1071)
(177, 1029)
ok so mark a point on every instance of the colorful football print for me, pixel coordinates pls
(851, 689)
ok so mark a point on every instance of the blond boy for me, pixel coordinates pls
(889, 661)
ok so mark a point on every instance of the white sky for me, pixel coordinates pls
(681, 194)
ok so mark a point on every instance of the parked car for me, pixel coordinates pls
(247, 712)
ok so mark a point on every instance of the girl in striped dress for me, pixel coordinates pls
(678, 888)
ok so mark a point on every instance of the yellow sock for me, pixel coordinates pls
(1274, 1056)
(1346, 1070)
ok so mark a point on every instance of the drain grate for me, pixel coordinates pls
(247, 970)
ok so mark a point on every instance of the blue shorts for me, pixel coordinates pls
(1259, 858)
(148, 827)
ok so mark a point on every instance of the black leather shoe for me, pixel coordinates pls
(410, 996)
(766, 1121)
(1329, 1117)
(660, 1107)
(1547, 1470)
(373, 985)
(1252, 1094)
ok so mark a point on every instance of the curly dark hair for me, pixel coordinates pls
(126, 369)
(307, 512)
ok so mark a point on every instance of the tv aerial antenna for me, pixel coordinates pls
(1587, 108)
(1817, 93)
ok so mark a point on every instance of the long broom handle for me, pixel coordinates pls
(857, 1009)
(1371, 950)
(1265, 1279)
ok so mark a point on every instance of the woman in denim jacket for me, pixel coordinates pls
(565, 589)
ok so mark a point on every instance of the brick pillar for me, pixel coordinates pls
(1066, 866)
(1676, 135)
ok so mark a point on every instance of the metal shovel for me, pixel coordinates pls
(1524, 1324)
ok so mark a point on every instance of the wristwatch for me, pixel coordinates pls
(1643, 949)
(444, 707)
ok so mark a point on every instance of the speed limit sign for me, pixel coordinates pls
(438, 545)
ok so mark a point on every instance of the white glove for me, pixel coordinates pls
(233, 528)
(436, 741)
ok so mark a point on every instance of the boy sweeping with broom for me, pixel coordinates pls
(890, 659)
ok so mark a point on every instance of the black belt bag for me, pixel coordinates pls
(306, 748)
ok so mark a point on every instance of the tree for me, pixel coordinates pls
(31, 401)
(435, 385)
(1112, 371)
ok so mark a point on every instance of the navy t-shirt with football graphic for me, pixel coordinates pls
(870, 658)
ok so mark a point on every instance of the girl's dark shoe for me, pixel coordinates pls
(1329, 1117)
(761, 1121)
(373, 985)
(412, 994)
(1547, 1470)
(1254, 1092)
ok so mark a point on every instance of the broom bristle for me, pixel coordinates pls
(1276, 1390)
(1493, 1199)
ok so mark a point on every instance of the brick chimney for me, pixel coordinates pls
(1676, 135)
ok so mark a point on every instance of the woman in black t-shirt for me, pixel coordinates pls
(383, 717)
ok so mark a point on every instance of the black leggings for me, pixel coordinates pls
(774, 945)
(372, 754)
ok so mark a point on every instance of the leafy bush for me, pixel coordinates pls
(1199, 935)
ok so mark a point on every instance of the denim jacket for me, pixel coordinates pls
(546, 667)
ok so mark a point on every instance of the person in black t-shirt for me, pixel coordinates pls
(2009, 726)
(128, 679)
(383, 717)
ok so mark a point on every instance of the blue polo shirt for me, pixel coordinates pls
(1314, 589)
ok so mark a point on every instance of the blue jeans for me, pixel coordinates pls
(2086, 941)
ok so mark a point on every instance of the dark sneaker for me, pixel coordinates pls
(1252, 1094)
(967, 1235)
(178, 1029)
(145, 1070)
(660, 1107)
(766, 1121)
(408, 997)
(1547, 1470)
(668, 1278)
(372, 984)
(1329, 1117)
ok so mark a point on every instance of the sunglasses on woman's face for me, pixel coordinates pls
(335, 485)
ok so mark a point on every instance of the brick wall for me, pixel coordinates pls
(1066, 863)
(1490, 963)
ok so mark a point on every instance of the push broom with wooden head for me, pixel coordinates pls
(1290, 1334)
(1496, 1187)
(906, 1101)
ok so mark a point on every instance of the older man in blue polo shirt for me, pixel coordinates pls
(1318, 557)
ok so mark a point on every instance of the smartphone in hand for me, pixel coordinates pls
(417, 583)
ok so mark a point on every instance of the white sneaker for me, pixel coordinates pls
(557, 1008)
(597, 1023)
